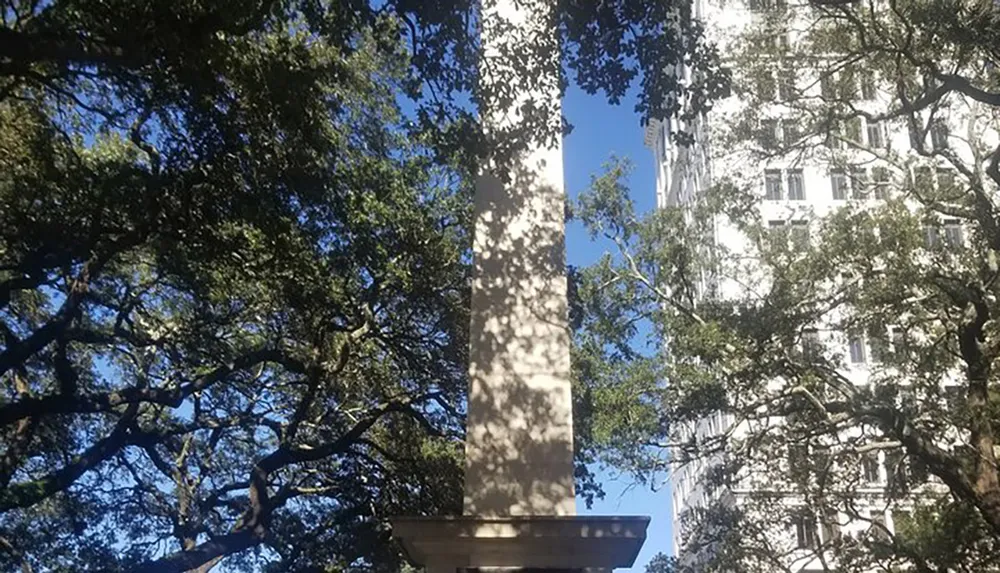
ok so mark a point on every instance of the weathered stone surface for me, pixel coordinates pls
(519, 439)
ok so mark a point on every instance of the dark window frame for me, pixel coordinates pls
(839, 185)
(773, 176)
(796, 181)
(875, 129)
(856, 348)
(939, 135)
(806, 530)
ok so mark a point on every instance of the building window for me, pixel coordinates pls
(777, 233)
(822, 459)
(768, 136)
(838, 180)
(786, 85)
(859, 183)
(765, 85)
(800, 241)
(791, 134)
(848, 86)
(879, 345)
(953, 238)
(870, 469)
(831, 526)
(798, 456)
(878, 527)
(811, 348)
(946, 179)
(898, 340)
(880, 178)
(954, 397)
(854, 130)
(778, 42)
(868, 85)
(827, 86)
(856, 345)
(939, 135)
(727, 89)
(796, 185)
(772, 185)
(903, 473)
(875, 135)
(923, 178)
(948, 234)
(895, 471)
(805, 530)
(932, 238)
(835, 136)
(839, 86)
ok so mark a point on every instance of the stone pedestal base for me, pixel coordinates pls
(521, 544)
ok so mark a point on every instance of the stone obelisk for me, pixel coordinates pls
(519, 438)
(519, 506)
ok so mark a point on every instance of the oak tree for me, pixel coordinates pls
(234, 262)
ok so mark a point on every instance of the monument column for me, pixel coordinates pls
(519, 505)
(519, 437)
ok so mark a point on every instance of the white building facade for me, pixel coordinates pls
(758, 139)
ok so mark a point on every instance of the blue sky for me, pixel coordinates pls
(600, 130)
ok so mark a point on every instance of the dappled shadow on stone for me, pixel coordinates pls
(519, 440)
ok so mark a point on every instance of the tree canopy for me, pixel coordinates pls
(234, 267)
(843, 357)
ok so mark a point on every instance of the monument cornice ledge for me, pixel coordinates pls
(541, 522)
(552, 542)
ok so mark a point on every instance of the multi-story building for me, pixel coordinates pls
(770, 136)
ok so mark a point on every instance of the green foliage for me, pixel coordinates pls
(233, 295)
(736, 386)
(234, 266)
(660, 563)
